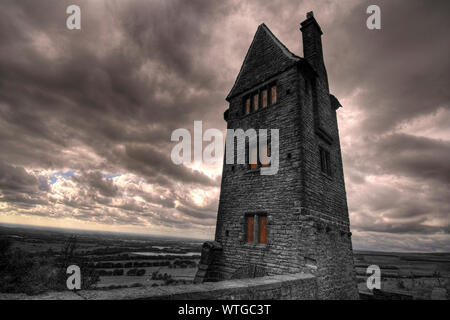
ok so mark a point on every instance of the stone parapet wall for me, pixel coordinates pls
(298, 286)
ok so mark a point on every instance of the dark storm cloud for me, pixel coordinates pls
(145, 158)
(177, 35)
(199, 213)
(419, 157)
(95, 99)
(16, 179)
(401, 70)
(20, 188)
(104, 100)
(403, 155)
(96, 182)
(408, 228)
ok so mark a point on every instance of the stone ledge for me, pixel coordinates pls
(286, 287)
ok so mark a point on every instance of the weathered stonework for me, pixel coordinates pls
(282, 287)
(307, 216)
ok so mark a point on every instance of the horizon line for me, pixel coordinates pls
(32, 226)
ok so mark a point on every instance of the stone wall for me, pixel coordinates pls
(281, 287)
(245, 191)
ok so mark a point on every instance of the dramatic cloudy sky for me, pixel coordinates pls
(86, 116)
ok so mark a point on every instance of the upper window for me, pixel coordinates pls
(255, 102)
(257, 157)
(273, 95)
(325, 164)
(264, 157)
(264, 97)
(253, 157)
(247, 106)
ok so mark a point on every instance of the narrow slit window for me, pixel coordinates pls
(247, 106)
(264, 98)
(262, 226)
(250, 228)
(273, 95)
(325, 164)
(264, 156)
(255, 102)
(253, 157)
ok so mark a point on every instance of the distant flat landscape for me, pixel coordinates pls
(124, 260)
(422, 275)
(120, 259)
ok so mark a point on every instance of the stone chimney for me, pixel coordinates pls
(312, 46)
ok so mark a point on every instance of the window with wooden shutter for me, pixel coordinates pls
(250, 228)
(255, 102)
(273, 95)
(256, 228)
(247, 106)
(262, 225)
(253, 157)
(264, 156)
(264, 98)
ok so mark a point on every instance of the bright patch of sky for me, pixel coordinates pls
(64, 175)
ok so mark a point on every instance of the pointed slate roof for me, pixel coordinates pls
(266, 57)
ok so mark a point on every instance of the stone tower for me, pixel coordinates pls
(296, 220)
